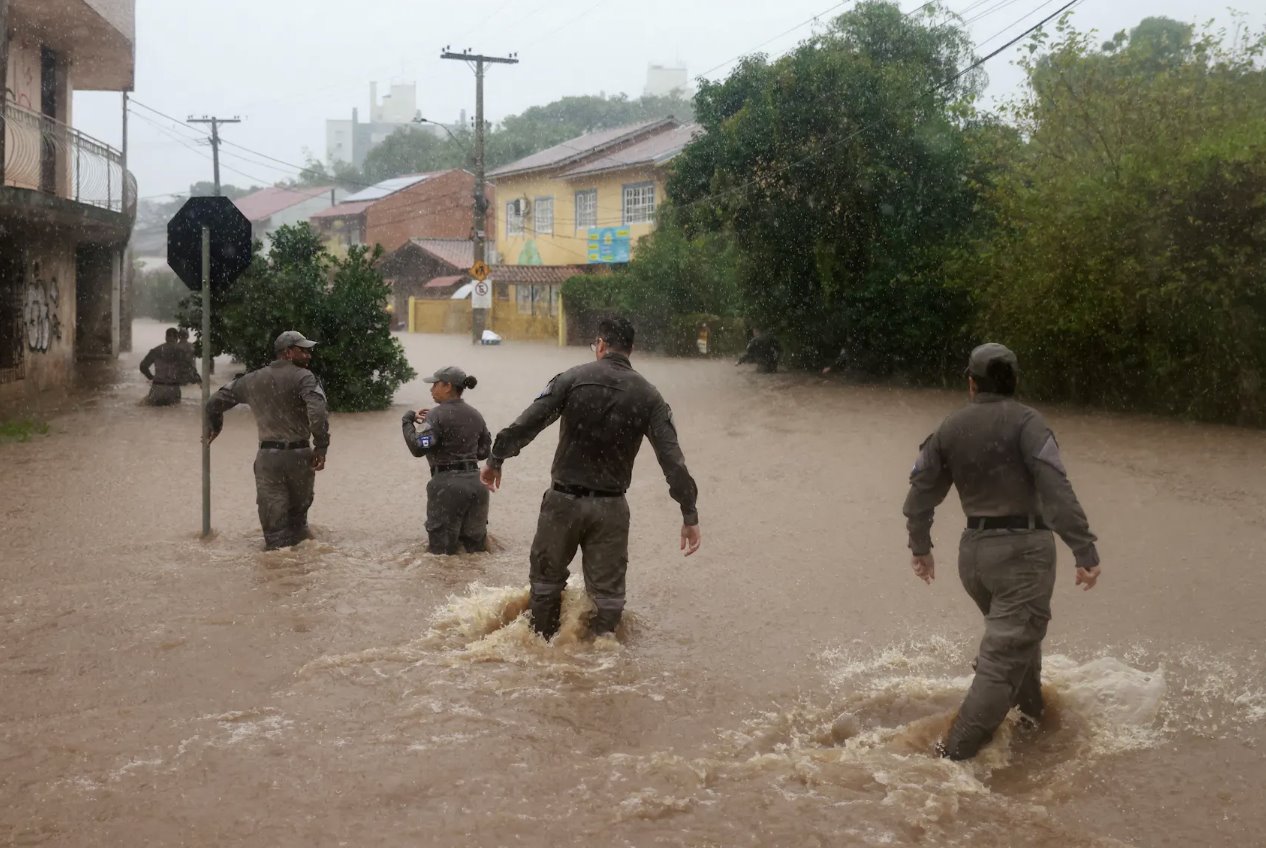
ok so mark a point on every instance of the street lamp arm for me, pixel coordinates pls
(420, 120)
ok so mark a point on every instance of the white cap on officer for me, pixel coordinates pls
(292, 338)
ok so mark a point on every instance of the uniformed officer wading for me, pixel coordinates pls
(289, 406)
(1005, 461)
(453, 437)
(170, 366)
(606, 408)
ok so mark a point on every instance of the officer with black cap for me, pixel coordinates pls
(607, 409)
(453, 437)
(1005, 462)
(289, 407)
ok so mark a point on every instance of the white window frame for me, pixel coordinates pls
(590, 214)
(543, 224)
(638, 203)
(514, 223)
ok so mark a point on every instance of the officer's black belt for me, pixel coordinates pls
(283, 445)
(466, 465)
(582, 492)
(1006, 522)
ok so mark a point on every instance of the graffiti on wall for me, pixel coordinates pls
(43, 321)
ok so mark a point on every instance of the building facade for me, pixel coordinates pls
(588, 200)
(67, 201)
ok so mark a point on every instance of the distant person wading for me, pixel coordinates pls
(453, 438)
(171, 368)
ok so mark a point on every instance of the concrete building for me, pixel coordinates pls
(350, 141)
(270, 209)
(663, 80)
(67, 202)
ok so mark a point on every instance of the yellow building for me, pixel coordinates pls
(586, 201)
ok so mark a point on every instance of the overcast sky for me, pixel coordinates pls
(285, 66)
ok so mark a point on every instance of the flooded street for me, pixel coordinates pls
(781, 687)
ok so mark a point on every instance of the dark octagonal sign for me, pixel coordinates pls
(230, 241)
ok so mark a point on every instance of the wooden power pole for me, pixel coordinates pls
(479, 317)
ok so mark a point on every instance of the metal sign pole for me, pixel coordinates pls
(206, 381)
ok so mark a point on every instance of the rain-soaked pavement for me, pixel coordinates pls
(781, 687)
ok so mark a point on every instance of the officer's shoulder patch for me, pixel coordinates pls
(1050, 454)
(549, 387)
(425, 440)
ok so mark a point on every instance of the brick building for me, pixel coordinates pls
(437, 205)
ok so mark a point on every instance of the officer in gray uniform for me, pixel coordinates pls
(1005, 462)
(453, 437)
(170, 369)
(289, 406)
(606, 408)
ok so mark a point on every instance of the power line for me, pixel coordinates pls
(775, 38)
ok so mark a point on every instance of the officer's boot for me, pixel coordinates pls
(962, 742)
(1029, 701)
(547, 611)
(604, 621)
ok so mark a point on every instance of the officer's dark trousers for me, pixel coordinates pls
(1010, 574)
(600, 528)
(284, 481)
(161, 394)
(456, 512)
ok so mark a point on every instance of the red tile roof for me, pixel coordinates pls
(535, 274)
(460, 253)
(344, 210)
(263, 204)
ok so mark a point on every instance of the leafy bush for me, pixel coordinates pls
(339, 301)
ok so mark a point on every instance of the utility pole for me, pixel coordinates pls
(205, 336)
(479, 317)
(215, 141)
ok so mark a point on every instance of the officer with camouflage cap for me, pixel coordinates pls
(453, 437)
(1005, 462)
(289, 407)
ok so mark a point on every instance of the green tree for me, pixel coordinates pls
(342, 302)
(675, 283)
(1128, 264)
(415, 151)
(843, 169)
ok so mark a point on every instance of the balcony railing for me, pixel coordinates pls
(43, 154)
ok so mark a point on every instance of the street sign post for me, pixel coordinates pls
(479, 270)
(208, 245)
(481, 295)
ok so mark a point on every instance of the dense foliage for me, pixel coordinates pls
(1128, 263)
(1109, 224)
(339, 301)
(841, 170)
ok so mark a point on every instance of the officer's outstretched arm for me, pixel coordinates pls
(221, 402)
(542, 412)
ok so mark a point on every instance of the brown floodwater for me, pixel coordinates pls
(781, 687)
